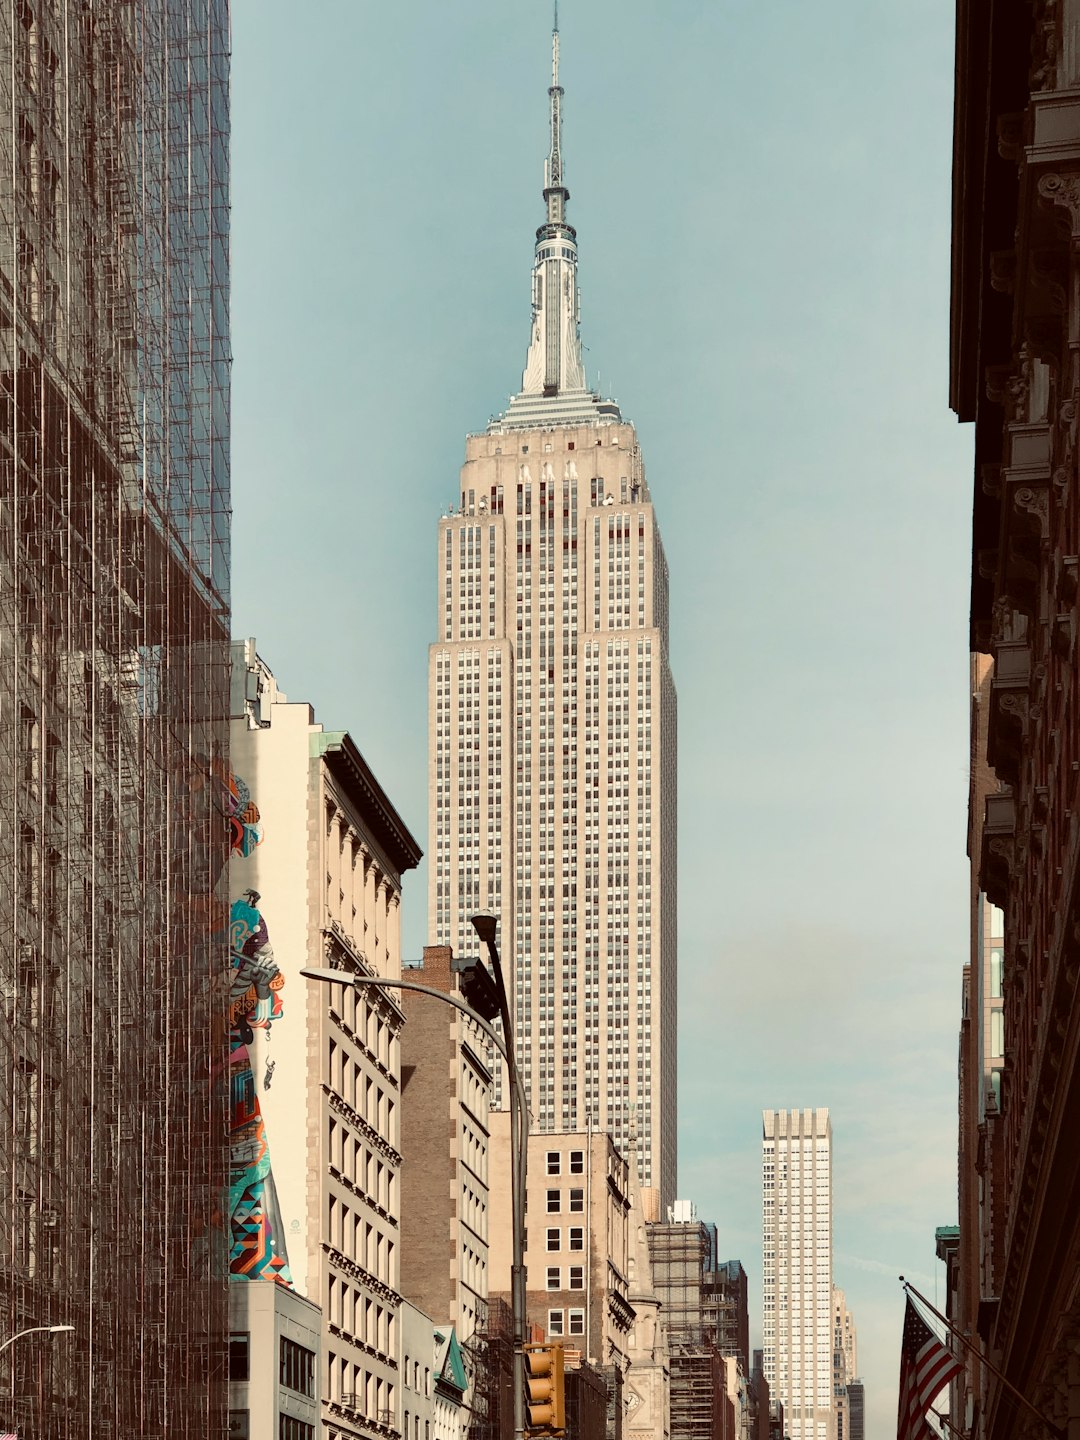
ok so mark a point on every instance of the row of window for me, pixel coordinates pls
(296, 1364)
(289, 1427)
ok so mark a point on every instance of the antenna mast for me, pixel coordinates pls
(554, 164)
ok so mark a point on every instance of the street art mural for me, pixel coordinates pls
(258, 1250)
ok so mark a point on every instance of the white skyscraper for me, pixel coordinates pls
(796, 1207)
(552, 730)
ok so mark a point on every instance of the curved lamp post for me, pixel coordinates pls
(485, 927)
(35, 1330)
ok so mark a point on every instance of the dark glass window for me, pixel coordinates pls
(290, 1428)
(239, 1356)
(297, 1368)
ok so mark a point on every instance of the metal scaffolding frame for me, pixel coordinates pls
(114, 392)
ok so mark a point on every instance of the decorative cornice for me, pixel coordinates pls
(357, 1271)
(1063, 191)
(372, 803)
(357, 1121)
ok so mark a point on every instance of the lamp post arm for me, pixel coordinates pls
(382, 982)
(34, 1330)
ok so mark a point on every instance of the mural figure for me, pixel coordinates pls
(258, 1250)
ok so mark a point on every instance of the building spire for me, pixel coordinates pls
(553, 389)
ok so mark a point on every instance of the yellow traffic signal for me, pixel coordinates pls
(545, 1406)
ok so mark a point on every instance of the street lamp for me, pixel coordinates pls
(485, 927)
(34, 1330)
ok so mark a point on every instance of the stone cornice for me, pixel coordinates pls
(356, 1271)
(357, 1121)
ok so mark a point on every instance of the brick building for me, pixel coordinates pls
(445, 1097)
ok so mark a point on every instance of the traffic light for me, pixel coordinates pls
(478, 989)
(545, 1407)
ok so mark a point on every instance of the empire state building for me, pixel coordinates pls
(552, 730)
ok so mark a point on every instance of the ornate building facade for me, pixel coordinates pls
(1015, 375)
(316, 1069)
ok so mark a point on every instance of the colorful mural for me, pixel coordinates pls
(258, 1249)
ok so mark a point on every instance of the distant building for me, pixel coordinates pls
(316, 880)
(433, 1379)
(844, 1359)
(445, 1142)
(699, 1311)
(725, 1309)
(759, 1400)
(577, 1279)
(857, 1409)
(797, 1269)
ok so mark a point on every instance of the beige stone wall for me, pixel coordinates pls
(577, 1220)
(330, 1066)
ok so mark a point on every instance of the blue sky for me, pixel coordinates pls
(761, 192)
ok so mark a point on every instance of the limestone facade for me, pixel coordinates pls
(326, 876)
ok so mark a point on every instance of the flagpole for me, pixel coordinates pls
(942, 1420)
(1055, 1429)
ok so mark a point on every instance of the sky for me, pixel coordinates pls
(761, 194)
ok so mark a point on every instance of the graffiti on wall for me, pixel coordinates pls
(258, 1250)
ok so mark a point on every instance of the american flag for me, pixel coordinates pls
(926, 1367)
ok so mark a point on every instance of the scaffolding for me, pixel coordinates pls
(114, 393)
(701, 1310)
(489, 1364)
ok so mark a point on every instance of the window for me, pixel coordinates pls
(577, 1162)
(577, 1322)
(997, 1033)
(554, 1162)
(297, 1371)
(577, 1277)
(554, 1203)
(553, 1239)
(577, 1200)
(577, 1238)
(554, 1278)
(239, 1425)
(290, 1428)
(239, 1356)
(555, 1323)
(996, 957)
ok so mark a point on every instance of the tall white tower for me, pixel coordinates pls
(796, 1206)
(552, 730)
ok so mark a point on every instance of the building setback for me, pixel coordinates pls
(1015, 375)
(797, 1324)
(114, 616)
(552, 731)
(316, 1097)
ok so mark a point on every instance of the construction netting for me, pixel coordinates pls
(114, 392)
